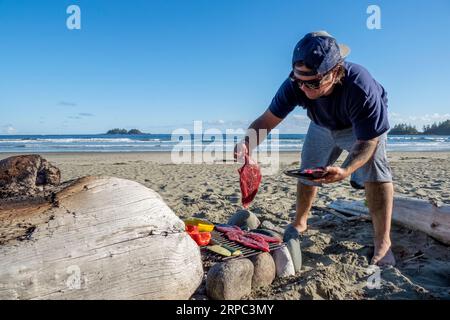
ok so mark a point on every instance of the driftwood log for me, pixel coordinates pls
(96, 238)
(412, 213)
(27, 176)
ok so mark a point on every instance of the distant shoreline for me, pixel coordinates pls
(157, 143)
(126, 132)
(169, 152)
(418, 134)
(169, 134)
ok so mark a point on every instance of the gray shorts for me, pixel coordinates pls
(323, 147)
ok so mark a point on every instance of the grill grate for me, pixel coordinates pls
(220, 238)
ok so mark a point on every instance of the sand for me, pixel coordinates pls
(336, 253)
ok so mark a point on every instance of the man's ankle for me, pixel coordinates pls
(300, 226)
(383, 242)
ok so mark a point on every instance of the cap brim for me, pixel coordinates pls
(345, 50)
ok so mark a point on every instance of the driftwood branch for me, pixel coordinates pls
(412, 213)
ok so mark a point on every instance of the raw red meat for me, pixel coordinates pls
(227, 228)
(248, 242)
(233, 236)
(248, 239)
(255, 237)
(315, 172)
(263, 236)
(250, 178)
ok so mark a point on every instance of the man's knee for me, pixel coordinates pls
(379, 194)
(305, 189)
(377, 184)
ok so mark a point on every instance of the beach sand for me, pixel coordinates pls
(336, 253)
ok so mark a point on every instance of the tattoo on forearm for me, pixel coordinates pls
(361, 152)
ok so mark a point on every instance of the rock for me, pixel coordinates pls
(270, 226)
(290, 233)
(230, 280)
(313, 218)
(421, 192)
(283, 262)
(26, 176)
(264, 270)
(244, 218)
(234, 198)
(294, 247)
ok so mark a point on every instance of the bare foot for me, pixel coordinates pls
(383, 256)
(292, 232)
(300, 227)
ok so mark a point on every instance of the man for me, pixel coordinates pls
(348, 111)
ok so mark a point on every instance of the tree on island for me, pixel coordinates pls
(135, 131)
(124, 131)
(403, 128)
(117, 131)
(442, 128)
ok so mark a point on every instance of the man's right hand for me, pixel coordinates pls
(266, 121)
(240, 150)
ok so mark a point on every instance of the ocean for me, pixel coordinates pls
(165, 142)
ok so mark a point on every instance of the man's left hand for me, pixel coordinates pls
(335, 174)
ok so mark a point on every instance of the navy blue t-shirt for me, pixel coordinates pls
(359, 102)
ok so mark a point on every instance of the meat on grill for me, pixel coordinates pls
(266, 238)
(260, 244)
(224, 228)
(247, 239)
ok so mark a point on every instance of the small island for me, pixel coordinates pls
(442, 128)
(124, 131)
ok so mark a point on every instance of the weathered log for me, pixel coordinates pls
(97, 238)
(26, 175)
(412, 213)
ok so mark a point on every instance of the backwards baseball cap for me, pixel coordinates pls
(320, 52)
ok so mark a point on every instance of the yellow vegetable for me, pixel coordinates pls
(234, 252)
(202, 224)
(220, 250)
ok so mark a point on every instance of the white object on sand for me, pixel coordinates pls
(412, 213)
(100, 238)
(283, 262)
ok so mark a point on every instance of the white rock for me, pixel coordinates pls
(283, 262)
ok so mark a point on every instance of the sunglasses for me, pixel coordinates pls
(311, 84)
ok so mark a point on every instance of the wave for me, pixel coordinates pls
(149, 139)
(418, 138)
(164, 142)
(68, 140)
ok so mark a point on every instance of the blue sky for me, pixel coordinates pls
(160, 64)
